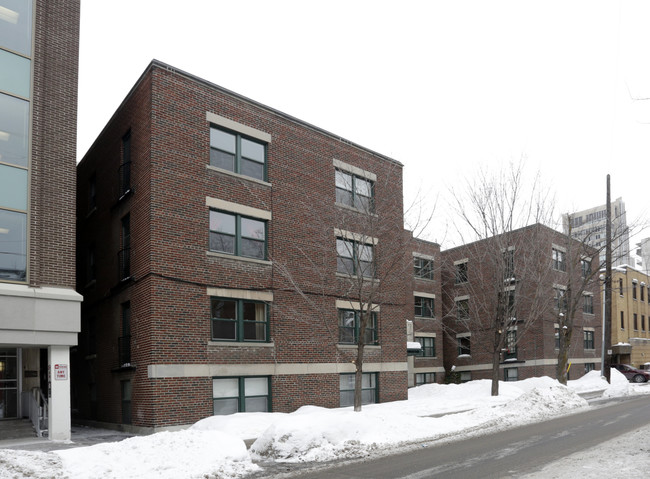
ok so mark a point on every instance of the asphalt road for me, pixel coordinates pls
(505, 454)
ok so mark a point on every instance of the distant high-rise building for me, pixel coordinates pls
(589, 226)
(641, 256)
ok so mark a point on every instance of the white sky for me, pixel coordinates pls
(445, 87)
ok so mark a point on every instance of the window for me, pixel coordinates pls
(620, 286)
(463, 345)
(462, 309)
(16, 30)
(350, 325)
(124, 255)
(465, 376)
(511, 374)
(642, 322)
(560, 299)
(424, 307)
(124, 341)
(633, 289)
(125, 167)
(557, 337)
(428, 346)
(91, 272)
(589, 367)
(585, 267)
(509, 265)
(423, 268)
(238, 320)
(424, 378)
(588, 339)
(588, 304)
(461, 273)
(13, 246)
(622, 320)
(92, 193)
(237, 235)
(126, 401)
(559, 260)
(354, 258)
(511, 344)
(354, 191)
(642, 298)
(636, 322)
(240, 394)
(234, 152)
(14, 130)
(368, 389)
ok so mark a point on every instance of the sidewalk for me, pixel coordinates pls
(81, 436)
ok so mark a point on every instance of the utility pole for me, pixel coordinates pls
(608, 290)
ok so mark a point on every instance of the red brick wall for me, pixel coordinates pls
(166, 113)
(54, 136)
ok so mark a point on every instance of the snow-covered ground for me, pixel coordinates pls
(214, 447)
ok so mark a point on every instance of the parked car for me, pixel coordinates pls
(633, 374)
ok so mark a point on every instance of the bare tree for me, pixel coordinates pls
(503, 290)
(363, 230)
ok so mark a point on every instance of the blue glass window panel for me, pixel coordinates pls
(13, 188)
(16, 25)
(14, 74)
(13, 246)
(14, 130)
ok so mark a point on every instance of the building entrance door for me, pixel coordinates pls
(8, 383)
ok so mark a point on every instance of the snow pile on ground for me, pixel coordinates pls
(214, 447)
(318, 434)
(164, 455)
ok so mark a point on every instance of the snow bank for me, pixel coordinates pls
(327, 434)
(165, 455)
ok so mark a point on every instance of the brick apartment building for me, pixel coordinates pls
(425, 327)
(39, 308)
(223, 250)
(630, 317)
(533, 271)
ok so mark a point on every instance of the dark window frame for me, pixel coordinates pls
(242, 326)
(238, 236)
(351, 196)
(242, 396)
(428, 346)
(360, 267)
(423, 268)
(588, 339)
(464, 345)
(425, 378)
(349, 333)
(507, 374)
(424, 307)
(238, 156)
(462, 273)
(559, 259)
(345, 392)
(588, 304)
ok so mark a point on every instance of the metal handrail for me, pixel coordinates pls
(38, 411)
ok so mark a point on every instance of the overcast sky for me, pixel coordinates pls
(445, 87)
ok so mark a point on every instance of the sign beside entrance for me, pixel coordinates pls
(60, 372)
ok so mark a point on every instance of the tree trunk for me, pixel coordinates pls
(496, 356)
(358, 376)
(563, 354)
(361, 344)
